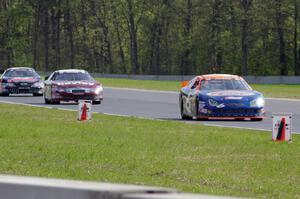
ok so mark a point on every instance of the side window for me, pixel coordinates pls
(53, 77)
(196, 83)
(191, 83)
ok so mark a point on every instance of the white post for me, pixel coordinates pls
(84, 110)
(282, 126)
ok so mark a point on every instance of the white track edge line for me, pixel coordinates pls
(146, 118)
(236, 127)
(120, 115)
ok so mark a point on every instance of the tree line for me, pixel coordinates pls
(160, 37)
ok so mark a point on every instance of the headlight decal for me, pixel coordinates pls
(98, 90)
(258, 102)
(213, 102)
(39, 84)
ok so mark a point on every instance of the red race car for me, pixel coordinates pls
(72, 85)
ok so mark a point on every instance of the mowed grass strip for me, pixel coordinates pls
(141, 84)
(274, 90)
(192, 158)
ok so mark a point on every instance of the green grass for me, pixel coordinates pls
(191, 158)
(277, 90)
(141, 84)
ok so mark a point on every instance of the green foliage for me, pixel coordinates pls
(172, 37)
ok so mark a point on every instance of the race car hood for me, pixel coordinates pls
(229, 95)
(76, 84)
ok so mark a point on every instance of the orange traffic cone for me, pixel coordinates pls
(84, 113)
(281, 131)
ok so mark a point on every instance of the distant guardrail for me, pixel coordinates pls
(16, 187)
(249, 79)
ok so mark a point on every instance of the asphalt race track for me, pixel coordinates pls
(164, 105)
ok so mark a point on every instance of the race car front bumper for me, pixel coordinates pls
(243, 112)
(22, 90)
(230, 112)
(65, 96)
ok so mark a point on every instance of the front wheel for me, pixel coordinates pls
(184, 116)
(4, 94)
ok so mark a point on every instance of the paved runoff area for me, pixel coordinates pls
(164, 105)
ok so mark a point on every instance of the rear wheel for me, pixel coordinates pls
(97, 102)
(256, 119)
(47, 101)
(37, 94)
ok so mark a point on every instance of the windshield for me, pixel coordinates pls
(224, 84)
(71, 77)
(20, 73)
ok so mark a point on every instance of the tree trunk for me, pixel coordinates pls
(101, 21)
(119, 41)
(85, 49)
(155, 47)
(133, 39)
(37, 11)
(57, 40)
(246, 4)
(69, 30)
(157, 50)
(296, 58)
(280, 32)
(215, 51)
(46, 38)
(185, 60)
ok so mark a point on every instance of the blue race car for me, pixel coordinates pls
(220, 96)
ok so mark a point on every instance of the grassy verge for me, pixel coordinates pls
(141, 84)
(191, 158)
(280, 91)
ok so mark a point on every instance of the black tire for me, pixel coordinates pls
(47, 101)
(37, 94)
(196, 108)
(239, 119)
(183, 116)
(256, 119)
(202, 119)
(55, 102)
(97, 102)
(4, 94)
